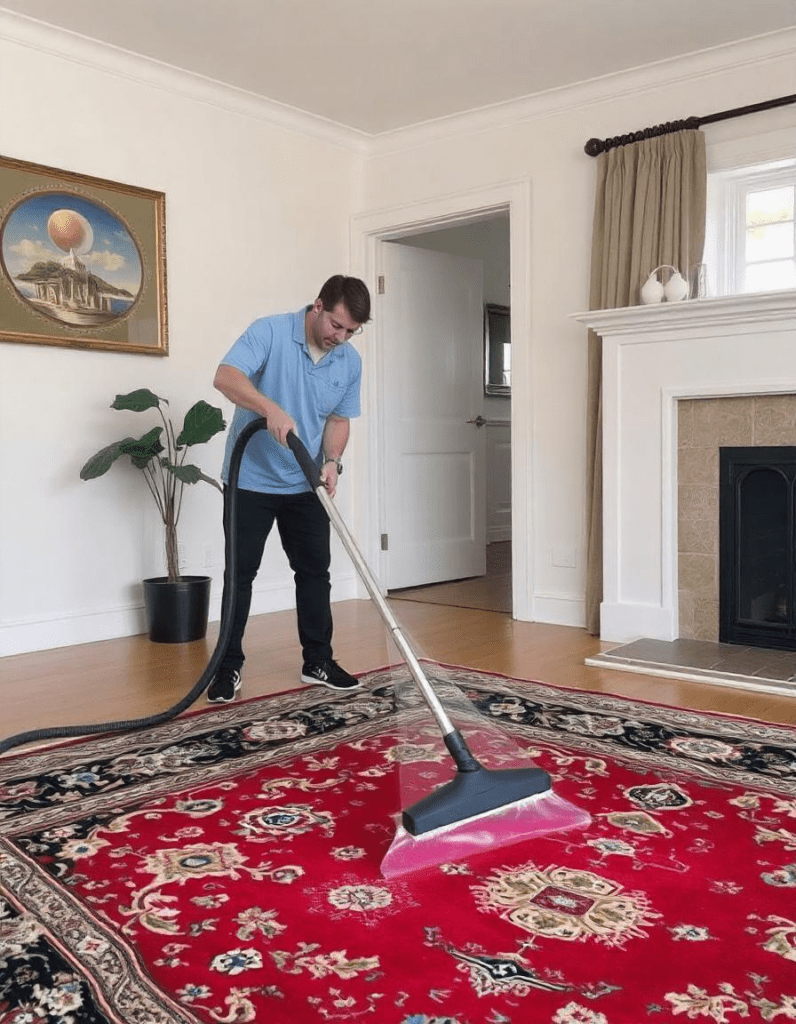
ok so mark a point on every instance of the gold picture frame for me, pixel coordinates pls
(82, 261)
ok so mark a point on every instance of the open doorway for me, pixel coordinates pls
(371, 466)
(485, 240)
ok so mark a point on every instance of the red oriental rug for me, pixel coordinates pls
(225, 867)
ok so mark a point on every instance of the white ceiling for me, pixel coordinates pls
(377, 65)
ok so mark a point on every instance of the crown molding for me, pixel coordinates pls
(37, 35)
(57, 42)
(689, 67)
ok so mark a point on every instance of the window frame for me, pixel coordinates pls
(725, 242)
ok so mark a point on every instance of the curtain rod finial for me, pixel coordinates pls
(594, 147)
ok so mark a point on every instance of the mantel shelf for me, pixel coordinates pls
(692, 313)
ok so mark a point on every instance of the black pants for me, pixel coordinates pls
(304, 531)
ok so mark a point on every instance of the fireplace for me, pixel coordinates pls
(757, 583)
(655, 358)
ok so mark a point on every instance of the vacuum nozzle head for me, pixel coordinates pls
(471, 794)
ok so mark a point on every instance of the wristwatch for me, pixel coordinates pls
(337, 462)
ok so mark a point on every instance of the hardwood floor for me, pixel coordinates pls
(491, 592)
(132, 677)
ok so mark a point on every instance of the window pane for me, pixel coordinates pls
(771, 206)
(774, 242)
(771, 277)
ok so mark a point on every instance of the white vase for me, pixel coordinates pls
(652, 290)
(676, 288)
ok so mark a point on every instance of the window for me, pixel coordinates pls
(750, 243)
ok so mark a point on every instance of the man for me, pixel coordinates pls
(296, 370)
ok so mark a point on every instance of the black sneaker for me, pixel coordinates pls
(328, 673)
(225, 686)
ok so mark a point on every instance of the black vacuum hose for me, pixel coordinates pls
(312, 474)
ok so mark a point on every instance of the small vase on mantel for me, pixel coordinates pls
(651, 290)
(675, 289)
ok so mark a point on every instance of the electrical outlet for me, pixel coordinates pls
(563, 556)
(181, 554)
(207, 556)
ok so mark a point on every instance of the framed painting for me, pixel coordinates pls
(82, 261)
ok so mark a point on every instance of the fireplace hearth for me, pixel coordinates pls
(757, 582)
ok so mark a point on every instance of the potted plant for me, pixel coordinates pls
(177, 606)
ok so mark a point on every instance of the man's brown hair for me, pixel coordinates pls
(352, 292)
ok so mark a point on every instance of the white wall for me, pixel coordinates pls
(249, 231)
(259, 208)
(542, 140)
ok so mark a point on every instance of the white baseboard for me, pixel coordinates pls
(281, 597)
(622, 623)
(347, 588)
(265, 600)
(89, 626)
(66, 631)
(559, 609)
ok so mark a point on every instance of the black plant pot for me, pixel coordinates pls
(177, 610)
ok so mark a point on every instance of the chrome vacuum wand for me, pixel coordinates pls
(374, 590)
(474, 790)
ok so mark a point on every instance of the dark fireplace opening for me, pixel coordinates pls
(757, 581)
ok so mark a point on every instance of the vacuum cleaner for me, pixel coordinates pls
(474, 790)
(473, 793)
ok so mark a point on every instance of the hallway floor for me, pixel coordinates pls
(491, 592)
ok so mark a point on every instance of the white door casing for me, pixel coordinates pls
(369, 229)
(434, 463)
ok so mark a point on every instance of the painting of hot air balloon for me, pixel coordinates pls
(82, 261)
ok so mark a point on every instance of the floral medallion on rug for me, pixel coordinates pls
(225, 867)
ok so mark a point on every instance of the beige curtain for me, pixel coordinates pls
(649, 210)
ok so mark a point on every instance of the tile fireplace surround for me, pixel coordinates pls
(654, 357)
(705, 426)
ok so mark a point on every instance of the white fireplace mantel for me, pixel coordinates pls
(652, 357)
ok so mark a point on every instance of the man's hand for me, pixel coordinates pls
(329, 477)
(280, 424)
(335, 438)
(236, 386)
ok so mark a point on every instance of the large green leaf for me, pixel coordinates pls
(191, 475)
(145, 448)
(186, 474)
(100, 463)
(202, 421)
(138, 401)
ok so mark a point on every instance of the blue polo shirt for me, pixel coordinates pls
(273, 354)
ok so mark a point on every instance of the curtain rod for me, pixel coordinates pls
(596, 146)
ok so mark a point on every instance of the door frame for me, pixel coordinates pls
(367, 232)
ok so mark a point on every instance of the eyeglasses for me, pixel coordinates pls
(341, 328)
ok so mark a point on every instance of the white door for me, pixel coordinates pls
(433, 460)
